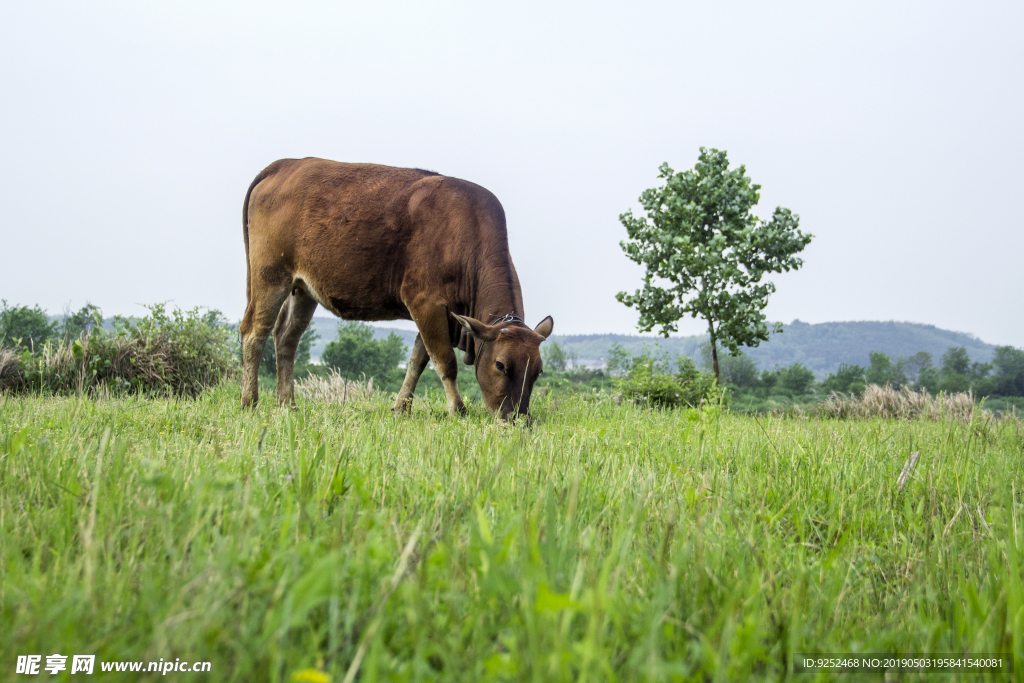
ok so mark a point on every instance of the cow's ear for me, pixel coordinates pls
(545, 327)
(479, 330)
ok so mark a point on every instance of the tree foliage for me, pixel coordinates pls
(24, 328)
(796, 378)
(619, 361)
(554, 356)
(958, 373)
(81, 322)
(354, 353)
(739, 370)
(706, 254)
(848, 379)
(1009, 364)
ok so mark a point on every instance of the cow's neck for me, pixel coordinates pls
(498, 294)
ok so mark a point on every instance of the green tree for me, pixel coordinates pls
(914, 365)
(554, 356)
(883, 371)
(619, 361)
(797, 378)
(847, 379)
(79, 323)
(1009, 364)
(701, 241)
(956, 361)
(958, 373)
(739, 370)
(24, 327)
(928, 379)
(354, 353)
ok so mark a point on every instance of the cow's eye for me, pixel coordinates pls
(500, 366)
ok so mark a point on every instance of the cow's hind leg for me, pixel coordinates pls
(292, 321)
(260, 312)
(417, 362)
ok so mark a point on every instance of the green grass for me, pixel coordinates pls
(607, 542)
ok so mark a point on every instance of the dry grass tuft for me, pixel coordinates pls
(11, 374)
(334, 388)
(902, 404)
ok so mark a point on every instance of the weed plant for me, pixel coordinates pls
(606, 542)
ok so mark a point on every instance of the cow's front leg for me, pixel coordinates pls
(433, 324)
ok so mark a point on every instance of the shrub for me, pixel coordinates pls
(178, 353)
(650, 381)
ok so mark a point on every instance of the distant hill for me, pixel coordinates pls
(821, 347)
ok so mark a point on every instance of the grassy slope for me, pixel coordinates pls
(607, 542)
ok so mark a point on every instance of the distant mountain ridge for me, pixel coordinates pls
(820, 346)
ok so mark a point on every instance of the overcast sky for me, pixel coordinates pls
(130, 132)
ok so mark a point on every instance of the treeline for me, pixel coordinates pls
(750, 388)
(1002, 377)
(822, 347)
(182, 352)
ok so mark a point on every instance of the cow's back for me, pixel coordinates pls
(355, 234)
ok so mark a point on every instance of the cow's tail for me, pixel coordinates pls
(245, 231)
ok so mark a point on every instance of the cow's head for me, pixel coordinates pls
(507, 362)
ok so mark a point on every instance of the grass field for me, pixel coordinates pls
(606, 542)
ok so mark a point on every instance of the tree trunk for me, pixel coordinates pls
(714, 350)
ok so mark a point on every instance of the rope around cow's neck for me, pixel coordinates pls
(508, 318)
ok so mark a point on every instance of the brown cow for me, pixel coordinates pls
(371, 242)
